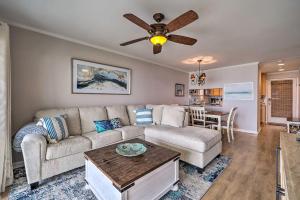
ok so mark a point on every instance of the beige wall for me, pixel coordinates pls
(41, 77)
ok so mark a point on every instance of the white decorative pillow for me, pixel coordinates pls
(173, 116)
(56, 127)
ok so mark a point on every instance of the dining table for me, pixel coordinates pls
(216, 115)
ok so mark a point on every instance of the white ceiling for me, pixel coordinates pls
(232, 31)
(290, 64)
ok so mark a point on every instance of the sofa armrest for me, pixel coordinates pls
(34, 153)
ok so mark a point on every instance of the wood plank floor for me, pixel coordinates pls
(251, 173)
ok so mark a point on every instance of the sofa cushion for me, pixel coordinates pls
(157, 111)
(72, 119)
(173, 116)
(103, 139)
(194, 138)
(130, 132)
(131, 113)
(69, 146)
(119, 111)
(90, 114)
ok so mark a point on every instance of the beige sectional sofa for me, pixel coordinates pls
(198, 146)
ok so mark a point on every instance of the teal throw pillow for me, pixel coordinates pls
(103, 125)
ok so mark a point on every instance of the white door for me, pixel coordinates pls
(282, 100)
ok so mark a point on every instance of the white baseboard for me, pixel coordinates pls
(246, 131)
(18, 164)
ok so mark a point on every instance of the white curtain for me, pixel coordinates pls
(6, 174)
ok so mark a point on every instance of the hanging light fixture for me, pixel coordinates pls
(201, 77)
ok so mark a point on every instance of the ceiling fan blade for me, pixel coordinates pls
(136, 20)
(182, 39)
(182, 21)
(156, 49)
(134, 41)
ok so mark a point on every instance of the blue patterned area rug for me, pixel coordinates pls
(71, 185)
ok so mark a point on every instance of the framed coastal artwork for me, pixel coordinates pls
(179, 90)
(239, 91)
(96, 78)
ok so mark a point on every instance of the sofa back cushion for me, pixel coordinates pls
(157, 111)
(173, 116)
(131, 113)
(90, 114)
(72, 118)
(118, 111)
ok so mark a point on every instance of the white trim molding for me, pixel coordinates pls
(246, 131)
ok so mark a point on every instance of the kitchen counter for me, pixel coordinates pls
(290, 150)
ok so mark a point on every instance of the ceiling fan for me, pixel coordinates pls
(159, 32)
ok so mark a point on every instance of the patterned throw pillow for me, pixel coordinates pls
(103, 125)
(144, 116)
(30, 128)
(56, 127)
(116, 123)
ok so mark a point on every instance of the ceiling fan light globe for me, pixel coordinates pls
(158, 39)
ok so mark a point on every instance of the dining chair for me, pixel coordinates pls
(228, 125)
(198, 117)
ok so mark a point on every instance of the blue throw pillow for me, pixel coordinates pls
(56, 127)
(116, 123)
(103, 125)
(144, 116)
(31, 128)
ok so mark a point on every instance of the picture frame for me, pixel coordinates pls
(89, 77)
(243, 91)
(179, 90)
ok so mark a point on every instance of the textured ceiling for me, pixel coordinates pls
(232, 31)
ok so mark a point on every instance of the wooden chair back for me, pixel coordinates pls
(231, 117)
(197, 114)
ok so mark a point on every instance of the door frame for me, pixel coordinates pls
(295, 98)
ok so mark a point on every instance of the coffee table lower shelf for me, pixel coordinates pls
(149, 187)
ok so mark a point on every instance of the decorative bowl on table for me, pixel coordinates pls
(130, 149)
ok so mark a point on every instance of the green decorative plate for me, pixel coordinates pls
(131, 149)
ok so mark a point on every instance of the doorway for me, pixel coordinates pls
(282, 100)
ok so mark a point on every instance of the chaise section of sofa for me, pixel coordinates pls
(197, 146)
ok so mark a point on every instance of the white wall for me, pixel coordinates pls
(247, 114)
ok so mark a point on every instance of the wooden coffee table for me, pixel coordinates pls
(149, 176)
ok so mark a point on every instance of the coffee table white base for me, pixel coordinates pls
(149, 187)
